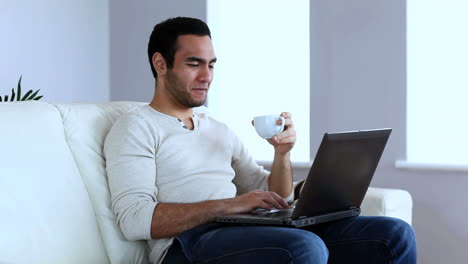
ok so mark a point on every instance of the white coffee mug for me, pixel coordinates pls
(267, 126)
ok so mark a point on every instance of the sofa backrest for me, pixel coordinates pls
(54, 196)
(46, 213)
(86, 126)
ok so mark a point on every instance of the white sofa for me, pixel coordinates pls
(54, 198)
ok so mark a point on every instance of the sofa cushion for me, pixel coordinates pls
(47, 216)
(388, 202)
(86, 126)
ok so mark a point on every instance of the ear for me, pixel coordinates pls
(159, 63)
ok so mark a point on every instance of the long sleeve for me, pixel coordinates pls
(249, 175)
(129, 150)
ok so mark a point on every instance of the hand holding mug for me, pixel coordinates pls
(278, 130)
(267, 126)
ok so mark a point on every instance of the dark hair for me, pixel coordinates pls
(163, 39)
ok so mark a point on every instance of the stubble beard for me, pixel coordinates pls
(178, 91)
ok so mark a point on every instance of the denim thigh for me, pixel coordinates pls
(368, 239)
(359, 239)
(215, 243)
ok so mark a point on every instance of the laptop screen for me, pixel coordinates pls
(341, 172)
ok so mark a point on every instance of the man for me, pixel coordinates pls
(173, 169)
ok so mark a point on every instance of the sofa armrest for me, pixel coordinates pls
(388, 202)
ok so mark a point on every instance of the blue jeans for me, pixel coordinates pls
(362, 239)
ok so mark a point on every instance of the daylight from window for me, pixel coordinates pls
(437, 82)
(263, 68)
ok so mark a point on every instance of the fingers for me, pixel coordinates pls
(279, 199)
(274, 200)
(287, 136)
(286, 115)
(256, 199)
(288, 120)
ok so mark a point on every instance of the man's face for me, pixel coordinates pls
(190, 77)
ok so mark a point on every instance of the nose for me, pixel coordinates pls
(206, 74)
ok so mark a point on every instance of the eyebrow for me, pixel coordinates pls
(200, 60)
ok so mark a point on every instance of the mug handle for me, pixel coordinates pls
(283, 123)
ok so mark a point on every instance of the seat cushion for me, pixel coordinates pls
(86, 126)
(46, 214)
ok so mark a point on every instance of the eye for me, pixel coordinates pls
(211, 66)
(192, 65)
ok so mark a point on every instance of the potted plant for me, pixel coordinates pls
(16, 96)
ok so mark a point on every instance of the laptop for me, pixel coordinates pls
(335, 186)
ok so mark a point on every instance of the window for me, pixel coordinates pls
(437, 54)
(263, 68)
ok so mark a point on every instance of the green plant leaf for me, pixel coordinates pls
(33, 95)
(18, 98)
(17, 95)
(26, 95)
(12, 94)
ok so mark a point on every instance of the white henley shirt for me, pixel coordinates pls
(152, 158)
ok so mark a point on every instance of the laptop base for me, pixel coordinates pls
(287, 222)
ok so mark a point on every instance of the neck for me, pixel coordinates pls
(163, 103)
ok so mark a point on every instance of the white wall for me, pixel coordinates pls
(58, 46)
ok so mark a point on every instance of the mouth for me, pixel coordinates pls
(199, 91)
